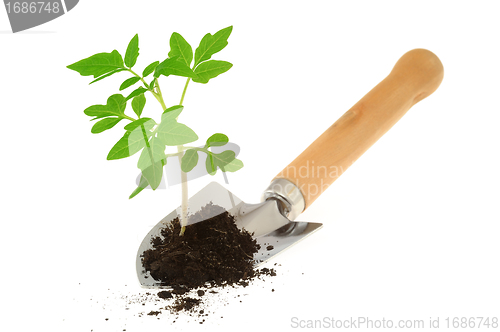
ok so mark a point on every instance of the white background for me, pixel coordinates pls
(411, 230)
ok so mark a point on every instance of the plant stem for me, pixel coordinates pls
(151, 89)
(180, 153)
(158, 88)
(142, 79)
(146, 140)
(160, 99)
(147, 145)
(184, 205)
(128, 117)
(184, 148)
(184, 92)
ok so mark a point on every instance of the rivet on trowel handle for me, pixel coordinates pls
(288, 194)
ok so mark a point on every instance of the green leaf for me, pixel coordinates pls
(98, 64)
(171, 113)
(189, 160)
(131, 143)
(139, 91)
(143, 183)
(132, 52)
(173, 133)
(180, 47)
(149, 69)
(107, 75)
(216, 140)
(153, 174)
(104, 124)
(220, 160)
(138, 104)
(172, 66)
(210, 45)
(115, 106)
(157, 149)
(147, 122)
(129, 82)
(232, 166)
(151, 162)
(210, 69)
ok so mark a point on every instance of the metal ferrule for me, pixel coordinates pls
(288, 194)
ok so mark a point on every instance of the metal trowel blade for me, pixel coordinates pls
(273, 232)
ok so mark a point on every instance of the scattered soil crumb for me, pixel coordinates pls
(164, 295)
(212, 254)
(184, 303)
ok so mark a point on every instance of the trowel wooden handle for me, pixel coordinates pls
(415, 76)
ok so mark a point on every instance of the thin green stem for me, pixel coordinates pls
(196, 149)
(147, 146)
(128, 117)
(184, 148)
(158, 87)
(142, 79)
(162, 103)
(151, 89)
(184, 92)
(147, 141)
(159, 96)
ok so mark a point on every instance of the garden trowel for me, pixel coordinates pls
(415, 76)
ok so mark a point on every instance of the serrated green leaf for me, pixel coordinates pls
(115, 106)
(220, 160)
(172, 66)
(216, 140)
(139, 91)
(132, 52)
(104, 124)
(147, 122)
(173, 133)
(143, 184)
(189, 160)
(138, 104)
(98, 64)
(210, 69)
(131, 143)
(157, 150)
(129, 82)
(210, 45)
(150, 68)
(107, 75)
(180, 47)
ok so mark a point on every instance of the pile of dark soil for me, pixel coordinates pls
(211, 253)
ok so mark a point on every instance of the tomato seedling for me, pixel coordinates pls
(144, 133)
